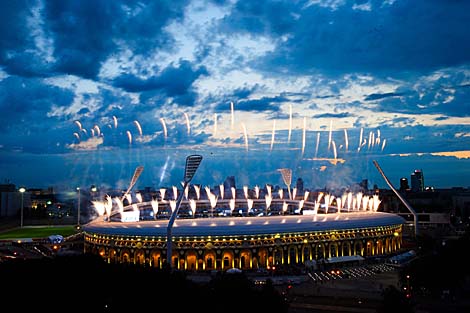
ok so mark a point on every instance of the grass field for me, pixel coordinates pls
(38, 232)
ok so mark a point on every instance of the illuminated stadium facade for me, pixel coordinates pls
(218, 234)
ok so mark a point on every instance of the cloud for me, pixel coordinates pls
(387, 39)
(333, 115)
(377, 96)
(173, 81)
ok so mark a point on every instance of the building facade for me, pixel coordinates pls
(246, 243)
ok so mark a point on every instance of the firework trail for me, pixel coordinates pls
(215, 124)
(129, 137)
(329, 135)
(318, 143)
(383, 144)
(78, 124)
(245, 135)
(232, 114)
(165, 132)
(272, 135)
(139, 128)
(187, 122)
(360, 139)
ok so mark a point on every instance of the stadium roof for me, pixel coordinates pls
(236, 226)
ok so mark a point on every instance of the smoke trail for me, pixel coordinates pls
(318, 143)
(246, 136)
(187, 123)
(232, 114)
(329, 135)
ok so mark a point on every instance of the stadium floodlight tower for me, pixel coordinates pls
(287, 177)
(407, 205)
(192, 164)
(134, 179)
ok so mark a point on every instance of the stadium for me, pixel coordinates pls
(247, 230)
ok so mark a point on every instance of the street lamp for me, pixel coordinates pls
(22, 190)
(192, 163)
(287, 177)
(78, 208)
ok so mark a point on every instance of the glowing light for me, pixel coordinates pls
(98, 130)
(383, 144)
(162, 193)
(197, 189)
(245, 191)
(329, 134)
(360, 139)
(318, 143)
(154, 204)
(222, 191)
(232, 115)
(139, 128)
(187, 123)
(249, 204)
(165, 131)
(192, 205)
(257, 191)
(77, 122)
(245, 135)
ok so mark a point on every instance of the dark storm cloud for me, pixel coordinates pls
(431, 100)
(333, 115)
(260, 17)
(260, 105)
(377, 96)
(83, 33)
(25, 104)
(403, 36)
(173, 81)
(17, 47)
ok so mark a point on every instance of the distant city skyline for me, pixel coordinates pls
(90, 90)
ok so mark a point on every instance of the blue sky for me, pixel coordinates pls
(89, 90)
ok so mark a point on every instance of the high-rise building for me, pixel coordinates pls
(417, 181)
(229, 182)
(299, 185)
(404, 184)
